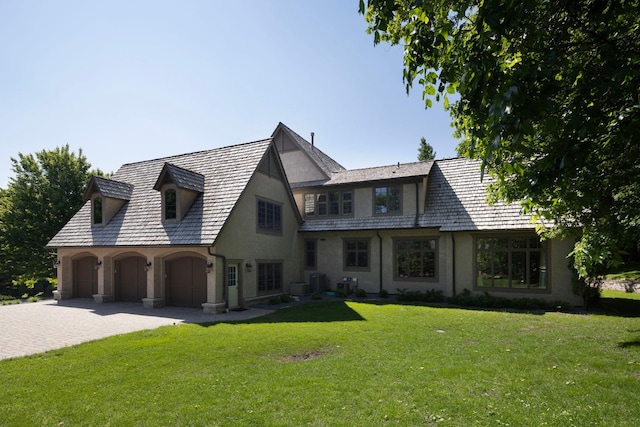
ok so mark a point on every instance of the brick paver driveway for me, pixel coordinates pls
(31, 328)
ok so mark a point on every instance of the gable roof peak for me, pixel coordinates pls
(323, 161)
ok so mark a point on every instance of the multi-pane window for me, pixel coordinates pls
(269, 217)
(170, 204)
(511, 263)
(356, 254)
(97, 210)
(269, 276)
(416, 258)
(347, 203)
(387, 200)
(310, 254)
(332, 203)
(309, 205)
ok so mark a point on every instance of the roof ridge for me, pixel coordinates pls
(176, 156)
(381, 167)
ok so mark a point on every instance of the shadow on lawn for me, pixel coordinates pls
(330, 311)
(323, 311)
(622, 307)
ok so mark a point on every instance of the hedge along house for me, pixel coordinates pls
(214, 229)
(416, 227)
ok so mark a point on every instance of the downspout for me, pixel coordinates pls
(224, 271)
(380, 262)
(453, 263)
(417, 205)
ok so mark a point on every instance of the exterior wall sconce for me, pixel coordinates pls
(98, 264)
(56, 263)
(209, 266)
(249, 266)
(147, 265)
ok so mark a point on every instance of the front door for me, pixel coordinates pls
(232, 285)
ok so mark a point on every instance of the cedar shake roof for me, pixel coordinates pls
(456, 201)
(324, 162)
(226, 173)
(108, 188)
(381, 173)
(180, 177)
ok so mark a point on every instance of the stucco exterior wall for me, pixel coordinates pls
(156, 292)
(558, 273)
(330, 260)
(240, 239)
(299, 168)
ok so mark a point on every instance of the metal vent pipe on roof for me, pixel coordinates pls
(312, 141)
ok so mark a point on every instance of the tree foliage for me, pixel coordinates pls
(549, 101)
(46, 191)
(425, 151)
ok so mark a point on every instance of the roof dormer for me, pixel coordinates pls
(107, 198)
(179, 189)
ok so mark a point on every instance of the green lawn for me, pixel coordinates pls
(627, 271)
(342, 364)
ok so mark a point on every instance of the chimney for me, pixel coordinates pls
(312, 142)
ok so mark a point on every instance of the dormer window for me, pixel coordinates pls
(107, 197)
(96, 209)
(170, 204)
(179, 189)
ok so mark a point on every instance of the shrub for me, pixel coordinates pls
(341, 293)
(383, 293)
(285, 298)
(316, 296)
(485, 300)
(432, 295)
(25, 288)
(274, 300)
(361, 293)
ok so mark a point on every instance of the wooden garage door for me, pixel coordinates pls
(85, 277)
(186, 282)
(131, 279)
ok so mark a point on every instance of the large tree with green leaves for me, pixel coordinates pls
(549, 100)
(46, 191)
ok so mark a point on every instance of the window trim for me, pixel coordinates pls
(345, 241)
(387, 188)
(275, 290)
(265, 230)
(545, 258)
(436, 252)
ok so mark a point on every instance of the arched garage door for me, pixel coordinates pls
(186, 282)
(130, 279)
(85, 277)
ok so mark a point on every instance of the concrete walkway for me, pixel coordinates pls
(36, 327)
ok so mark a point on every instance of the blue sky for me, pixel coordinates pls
(127, 81)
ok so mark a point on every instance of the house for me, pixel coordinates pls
(225, 228)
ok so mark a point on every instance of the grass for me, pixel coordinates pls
(627, 271)
(341, 364)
